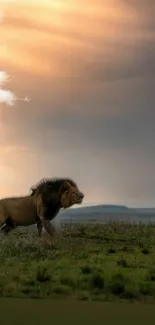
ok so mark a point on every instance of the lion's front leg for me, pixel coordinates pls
(41, 211)
(50, 229)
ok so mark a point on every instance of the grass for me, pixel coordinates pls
(110, 262)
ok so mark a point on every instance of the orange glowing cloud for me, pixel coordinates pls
(38, 37)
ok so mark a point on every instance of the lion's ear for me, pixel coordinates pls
(65, 186)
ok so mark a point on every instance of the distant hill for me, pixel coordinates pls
(102, 209)
(99, 209)
(102, 213)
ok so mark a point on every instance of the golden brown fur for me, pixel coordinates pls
(22, 211)
(44, 203)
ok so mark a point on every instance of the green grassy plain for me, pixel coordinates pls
(110, 262)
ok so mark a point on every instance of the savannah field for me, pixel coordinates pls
(114, 261)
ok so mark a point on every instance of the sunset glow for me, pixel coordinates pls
(88, 67)
(36, 35)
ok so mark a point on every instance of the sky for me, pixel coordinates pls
(89, 69)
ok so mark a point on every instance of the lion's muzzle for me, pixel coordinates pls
(79, 198)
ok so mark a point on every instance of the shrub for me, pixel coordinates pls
(97, 281)
(86, 269)
(42, 275)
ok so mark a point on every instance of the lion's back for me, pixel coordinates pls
(5, 206)
(21, 209)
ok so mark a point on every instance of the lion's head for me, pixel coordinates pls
(70, 194)
(59, 192)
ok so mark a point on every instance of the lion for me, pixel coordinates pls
(41, 206)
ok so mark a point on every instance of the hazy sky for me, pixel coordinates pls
(89, 68)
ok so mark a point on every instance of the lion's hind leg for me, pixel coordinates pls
(8, 226)
(5, 229)
(2, 217)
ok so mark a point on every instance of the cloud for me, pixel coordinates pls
(70, 44)
(6, 96)
(3, 78)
